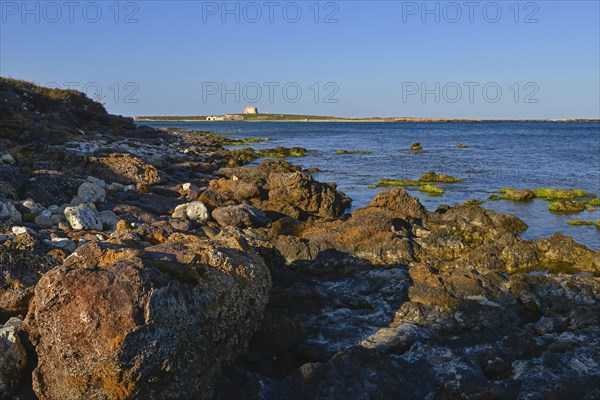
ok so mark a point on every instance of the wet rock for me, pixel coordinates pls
(13, 358)
(83, 217)
(243, 215)
(518, 195)
(567, 206)
(431, 176)
(560, 253)
(160, 323)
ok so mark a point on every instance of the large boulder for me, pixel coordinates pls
(160, 323)
(298, 195)
(398, 199)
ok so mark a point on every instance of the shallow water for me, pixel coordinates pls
(519, 155)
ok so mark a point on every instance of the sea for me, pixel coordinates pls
(522, 155)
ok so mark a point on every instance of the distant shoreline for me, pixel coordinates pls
(361, 120)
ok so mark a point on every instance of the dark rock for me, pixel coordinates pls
(243, 215)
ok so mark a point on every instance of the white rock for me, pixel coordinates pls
(108, 218)
(190, 186)
(33, 207)
(83, 217)
(197, 211)
(8, 159)
(13, 358)
(180, 211)
(96, 181)
(21, 230)
(90, 192)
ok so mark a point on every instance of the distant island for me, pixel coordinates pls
(321, 118)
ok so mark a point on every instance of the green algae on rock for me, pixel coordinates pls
(560, 194)
(383, 182)
(544, 193)
(517, 195)
(579, 222)
(241, 142)
(431, 189)
(416, 146)
(425, 179)
(567, 206)
(431, 176)
(281, 152)
(353, 152)
(473, 202)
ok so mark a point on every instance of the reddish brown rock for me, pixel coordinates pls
(119, 323)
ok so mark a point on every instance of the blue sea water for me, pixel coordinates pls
(502, 154)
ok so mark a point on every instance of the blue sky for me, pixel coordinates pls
(481, 59)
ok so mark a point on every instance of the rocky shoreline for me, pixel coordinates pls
(142, 263)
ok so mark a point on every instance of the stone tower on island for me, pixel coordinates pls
(250, 110)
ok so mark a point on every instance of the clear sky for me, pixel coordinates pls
(471, 59)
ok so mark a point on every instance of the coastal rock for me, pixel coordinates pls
(154, 324)
(518, 195)
(83, 217)
(124, 169)
(13, 358)
(50, 187)
(108, 219)
(11, 183)
(398, 199)
(9, 213)
(243, 215)
(8, 159)
(299, 196)
(378, 234)
(195, 211)
(562, 253)
(23, 260)
(90, 192)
